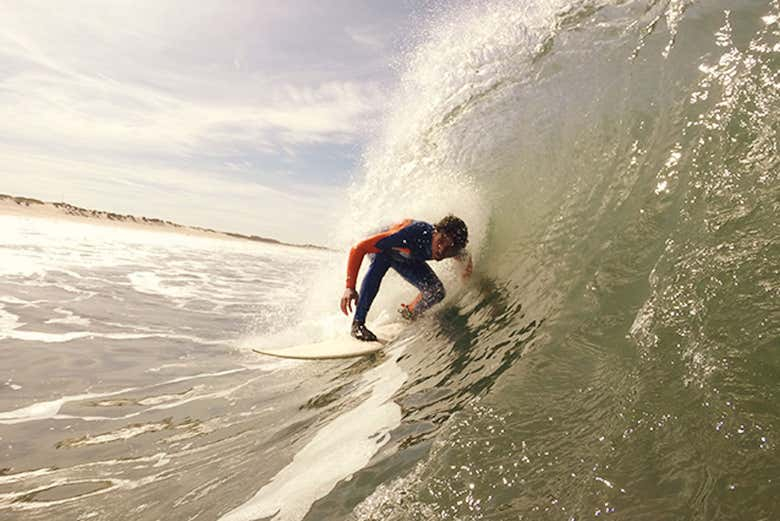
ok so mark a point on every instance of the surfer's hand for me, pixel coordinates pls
(350, 296)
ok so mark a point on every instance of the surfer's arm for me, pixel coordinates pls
(374, 244)
(356, 255)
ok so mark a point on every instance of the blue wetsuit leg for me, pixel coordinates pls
(380, 263)
(422, 277)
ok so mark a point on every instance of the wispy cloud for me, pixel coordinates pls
(103, 114)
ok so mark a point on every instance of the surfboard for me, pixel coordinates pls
(342, 346)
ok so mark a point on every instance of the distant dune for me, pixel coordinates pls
(10, 204)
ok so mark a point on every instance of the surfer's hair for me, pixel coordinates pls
(455, 229)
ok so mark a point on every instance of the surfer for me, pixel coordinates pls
(405, 247)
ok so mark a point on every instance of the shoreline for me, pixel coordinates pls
(26, 206)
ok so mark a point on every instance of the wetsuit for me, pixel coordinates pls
(404, 247)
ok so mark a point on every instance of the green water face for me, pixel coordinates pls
(620, 356)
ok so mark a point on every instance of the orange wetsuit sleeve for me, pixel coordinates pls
(365, 246)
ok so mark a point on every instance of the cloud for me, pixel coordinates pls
(244, 100)
(101, 113)
(96, 110)
(367, 36)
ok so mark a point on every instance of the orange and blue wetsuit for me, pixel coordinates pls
(404, 247)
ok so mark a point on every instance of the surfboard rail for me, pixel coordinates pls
(343, 346)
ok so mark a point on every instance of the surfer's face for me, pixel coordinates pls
(441, 244)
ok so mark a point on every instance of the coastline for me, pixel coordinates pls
(29, 207)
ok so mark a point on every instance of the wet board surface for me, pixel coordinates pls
(342, 346)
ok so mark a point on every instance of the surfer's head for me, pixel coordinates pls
(450, 236)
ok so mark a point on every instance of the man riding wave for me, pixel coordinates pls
(405, 247)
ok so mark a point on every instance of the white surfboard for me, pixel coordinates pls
(342, 346)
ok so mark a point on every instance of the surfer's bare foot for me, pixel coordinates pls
(361, 332)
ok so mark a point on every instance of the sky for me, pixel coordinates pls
(244, 116)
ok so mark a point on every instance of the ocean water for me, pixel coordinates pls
(615, 355)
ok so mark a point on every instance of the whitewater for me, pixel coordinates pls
(616, 353)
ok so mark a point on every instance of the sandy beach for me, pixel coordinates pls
(34, 208)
